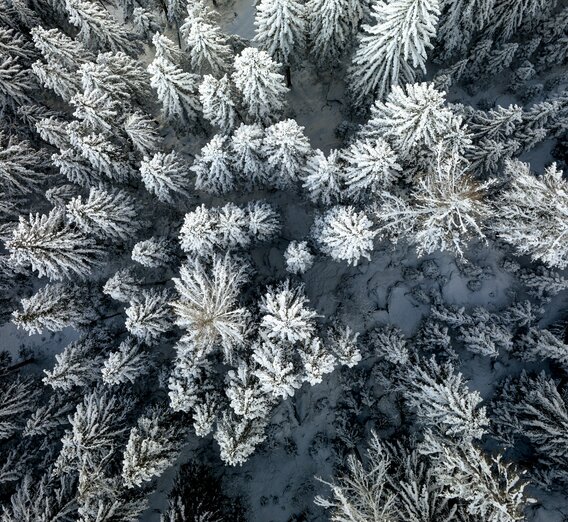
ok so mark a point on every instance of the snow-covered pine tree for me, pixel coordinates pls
(21, 166)
(534, 408)
(442, 401)
(97, 427)
(238, 438)
(246, 397)
(217, 100)
(536, 344)
(123, 285)
(390, 50)
(329, 30)
(500, 59)
(46, 497)
(345, 234)
(55, 307)
(53, 247)
(149, 316)
(145, 22)
(343, 343)
(212, 167)
(531, 214)
(55, 46)
(177, 90)
(508, 16)
(390, 344)
(260, 84)
(285, 316)
(445, 210)
(298, 257)
(317, 361)
(498, 123)
(205, 414)
(142, 131)
(126, 364)
(371, 167)
(208, 48)
(154, 252)
(168, 50)
(15, 82)
(287, 149)
(262, 219)
(322, 177)
(275, 370)
(208, 304)
(362, 493)
(281, 30)
(410, 119)
(78, 365)
(166, 176)
(104, 156)
(490, 488)
(108, 215)
(98, 29)
(152, 447)
(52, 76)
(247, 154)
(54, 131)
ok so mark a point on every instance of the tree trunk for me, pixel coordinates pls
(288, 74)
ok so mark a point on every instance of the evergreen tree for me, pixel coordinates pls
(274, 369)
(57, 47)
(534, 409)
(213, 167)
(238, 438)
(52, 76)
(98, 29)
(317, 361)
(166, 176)
(285, 316)
(53, 308)
(410, 119)
(298, 257)
(491, 489)
(442, 401)
(531, 214)
(78, 365)
(109, 215)
(344, 345)
(152, 447)
(247, 154)
(208, 47)
(444, 211)
(216, 97)
(126, 364)
(177, 90)
(21, 166)
(208, 304)
(323, 176)
(15, 82)
(345, 234)
(149, 316)
(154, 252)
(371, 167)
(260, 84)
(280, 29)
(142, 131)
(245, 394)
(390, 51)
(329, 30)
(53, 247)
(287, 150)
